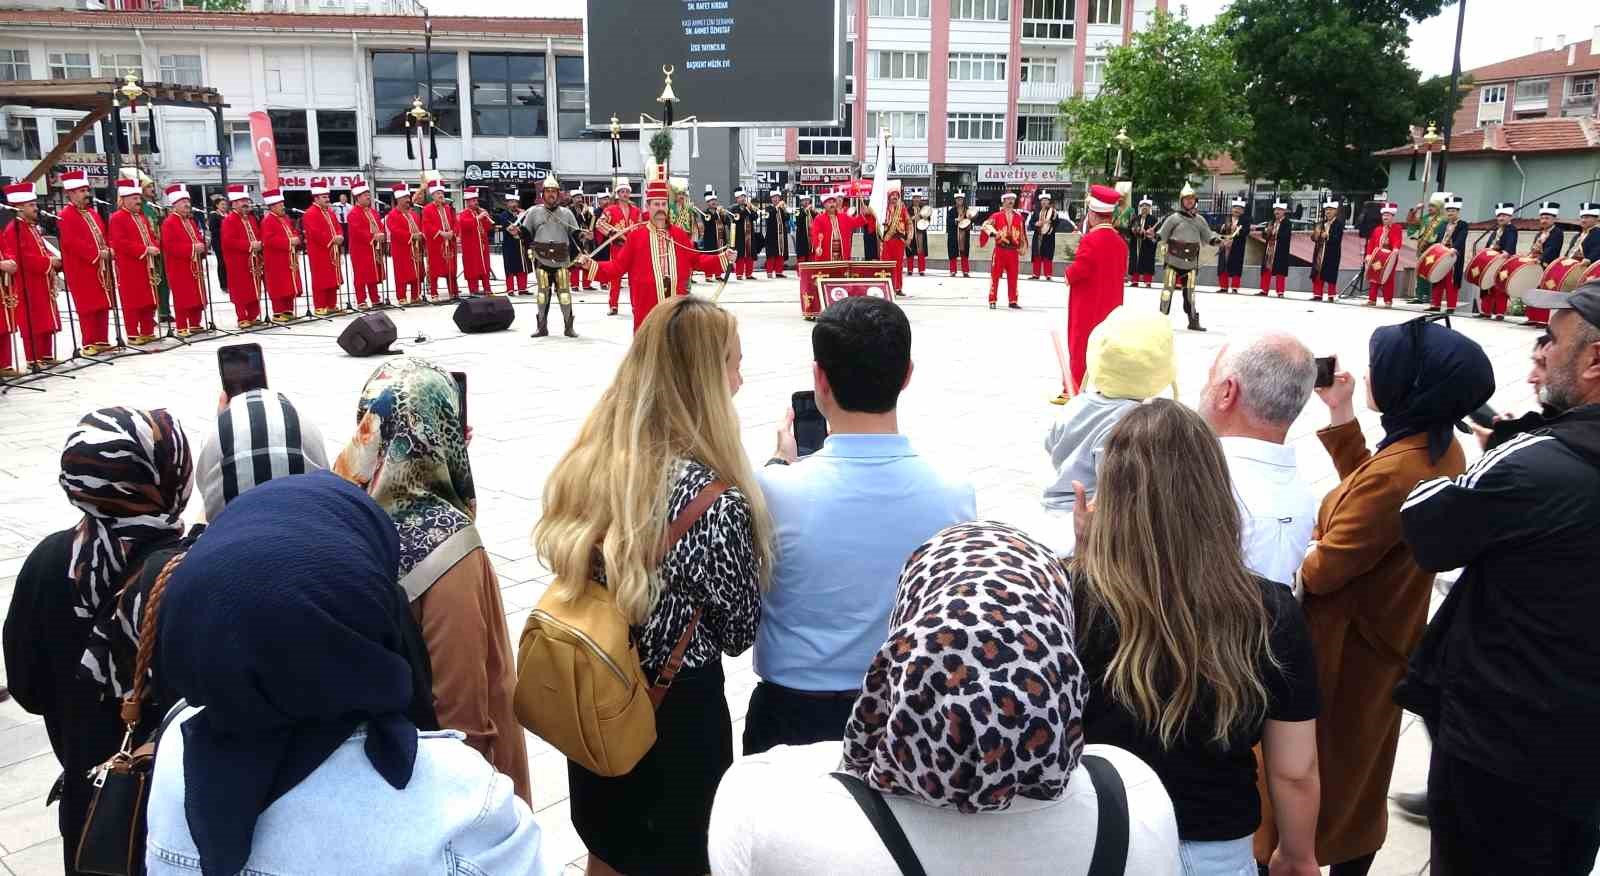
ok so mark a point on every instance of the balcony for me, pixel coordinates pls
(1041, 151)
(1047, 31)
(1044, 92)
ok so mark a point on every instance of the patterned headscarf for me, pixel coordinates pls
(129, 472)
(977, 696)
(410, 453)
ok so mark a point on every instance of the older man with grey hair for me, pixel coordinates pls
(1252, 396)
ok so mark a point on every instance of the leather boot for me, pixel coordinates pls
(566, 316)
(543, 331)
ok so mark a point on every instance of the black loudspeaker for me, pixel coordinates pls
(370, 335)
(491, 314)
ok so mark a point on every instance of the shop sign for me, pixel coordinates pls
(815, 173)
(297, 180)
(900, 168)
(1022, 173)
(505, 171)
(211, 159)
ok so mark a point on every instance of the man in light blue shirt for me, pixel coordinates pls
(846, 519)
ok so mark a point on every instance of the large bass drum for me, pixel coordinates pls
(1437, 263)
(1519, 275)
(1563, 275)
(1381, 265)
(1483, 267)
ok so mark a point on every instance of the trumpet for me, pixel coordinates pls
(152, 266)
(8, 297)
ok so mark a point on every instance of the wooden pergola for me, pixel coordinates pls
(99, 98)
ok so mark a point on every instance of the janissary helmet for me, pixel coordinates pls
(1188, 192)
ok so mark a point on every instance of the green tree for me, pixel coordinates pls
(1327, 85)
(1174, 89)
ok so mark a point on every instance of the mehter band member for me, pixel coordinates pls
(1042, 227)
(183, 254)
(324, 251)
(134, 244)
(512, 257)
(958, 235)
(1389, 235)
(1007, 227)
(1142, 244)
(659, 257)
(618, 216)
(1094, 280)
(86, 258)
(1231, 247)
(777, 235)
(1495, 299)
(1183, 233)
(832, 231)
(439, 225)
(367, 241)
(242, 250)
(1453, 234)
(802, 230)
(279, 248)
(917, 243)
(408, 252)
(1327, 241)
(1547, 241)
(1275, 258)
(548, 228)
(745, 242)
(472, 229)
(29, 299)
(896, 228)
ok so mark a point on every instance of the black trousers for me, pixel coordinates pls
(780, 716)
(1484, 824)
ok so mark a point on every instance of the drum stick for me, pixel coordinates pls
(1061, 361)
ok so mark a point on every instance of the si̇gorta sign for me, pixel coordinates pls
(482, 172)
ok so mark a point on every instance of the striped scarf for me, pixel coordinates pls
(128, 471)
(259, 436)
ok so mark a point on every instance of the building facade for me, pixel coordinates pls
(968, 89)
(509, 95)
(1547, 83)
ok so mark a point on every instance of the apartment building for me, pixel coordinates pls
(967, 88)
(1546, 83)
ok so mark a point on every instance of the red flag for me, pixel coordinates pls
(266, 148)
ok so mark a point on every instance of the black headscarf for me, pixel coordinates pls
(287, 623)
(1425, 378)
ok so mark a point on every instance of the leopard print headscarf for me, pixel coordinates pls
(977, 695)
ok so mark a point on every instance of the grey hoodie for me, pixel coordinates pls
(1075, 441)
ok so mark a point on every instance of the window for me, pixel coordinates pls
(898, 65)
(977, 67)
(835, 141)
(1094, 73)
(180, 69)
(1533, 91)
(336, 139)
(1575, 87)
(571, 92)
(70, 65)
(1047, 19)
(22, 139)
(289, 132)
(1039, 124)
(397, 77)
(901, 125)
(508, 95)
(980, 10)
(119, 64)
(849, 68)
(1105, 11)
(769, 133)
(1492, 94)
(1491, 104)
(897, 8)
(239, 142)
(14, 64)
(87, 143)
(976, 126)
(1039, 70)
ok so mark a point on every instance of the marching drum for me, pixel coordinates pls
(1381, 265)
(1592, 274)
(1483, 267)
(1563, 275)
(1437, 262)
(1519, 275)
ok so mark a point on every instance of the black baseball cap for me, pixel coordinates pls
(1585, 300)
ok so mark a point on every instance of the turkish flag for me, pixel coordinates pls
(265, 147)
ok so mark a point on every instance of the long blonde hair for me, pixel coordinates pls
(669, 401)
(1162, 558)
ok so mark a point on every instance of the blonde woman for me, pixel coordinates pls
(662, 432)
(1191, 659)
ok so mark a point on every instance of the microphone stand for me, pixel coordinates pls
(301, 257)
(34, 373)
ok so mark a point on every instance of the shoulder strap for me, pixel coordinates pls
(686, 518)
(1111, 827)
(884, 823)
(134, 701)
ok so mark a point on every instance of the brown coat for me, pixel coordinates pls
(1366, 603)
(474, 668)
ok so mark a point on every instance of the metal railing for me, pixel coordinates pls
(1040, 150)
(1044, 92)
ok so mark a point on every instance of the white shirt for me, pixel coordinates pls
(781, 812)
(1275, 506)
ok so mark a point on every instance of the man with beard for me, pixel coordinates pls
(548, 228)
(86, 259)
(183, 254)
(745, 244)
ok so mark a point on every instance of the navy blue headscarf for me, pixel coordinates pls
(1425, 378)
(287, 623)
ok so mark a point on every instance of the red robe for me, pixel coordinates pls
(327, 263)
(1395, 234)
(178, 237)
(472, 229)
(822, 236)
(401, 224)
(130, 235)
(83, 235)
(238, 232)
(283, 275)
(1094, 289)
(653, 271)
(619, 216)
(436, 220)
(35, 313)
(366, 259)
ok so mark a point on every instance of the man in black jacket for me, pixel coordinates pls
(1508, 674)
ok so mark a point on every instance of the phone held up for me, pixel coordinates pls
(810, 428)
(242, 368)
(1327, 366)
(461, 397)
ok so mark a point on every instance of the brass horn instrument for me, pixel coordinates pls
(152, 266)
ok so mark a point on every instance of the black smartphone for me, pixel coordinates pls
(242, 368)
(1483, 416)
(461, 397)
(1326, 366)
(810, 428)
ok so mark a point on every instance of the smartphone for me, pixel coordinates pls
(242, 368)
(810, 428)
(1326, 366)
(461, 397)
(1483, 416)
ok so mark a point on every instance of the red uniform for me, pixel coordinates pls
(619, 215)
(831, 235)
(34, 315)
(1009, 234)
(897, 225)
(472, 229)
(1094, 289)
(327, 260)
(1391, 236)
(409, 264)
(278, 259)
(239, 231)
(131, 235)
(83, 236)
(366, 256)
(658, 264)
(437, 219)
(184, 269)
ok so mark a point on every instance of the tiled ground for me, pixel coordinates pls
(977, 404)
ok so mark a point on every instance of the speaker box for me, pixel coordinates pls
(491, 314)
(369, 335)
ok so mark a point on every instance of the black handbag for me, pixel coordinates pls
(112, 842)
